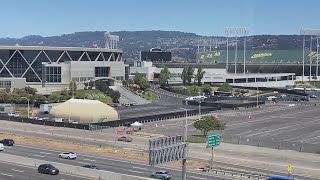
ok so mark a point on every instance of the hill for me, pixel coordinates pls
(182, 45)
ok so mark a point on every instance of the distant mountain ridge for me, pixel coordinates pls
(182, 45)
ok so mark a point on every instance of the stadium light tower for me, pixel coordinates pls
(309, 32)
(236, 31)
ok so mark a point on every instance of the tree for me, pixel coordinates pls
(199, 75)
(189, 74)
(144, 84)
(30, 90)
(73, 86)
(140, 80)
(4, 96)
(207, 124)
(102, 86)
(225, 87)
(39, 99)
(86, 85)
(115, 95)
(206, 88)
(164, 77)
(91, 84)
(184, 75)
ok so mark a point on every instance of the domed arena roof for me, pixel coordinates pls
(85, 111)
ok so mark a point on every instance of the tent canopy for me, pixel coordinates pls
(136, 124)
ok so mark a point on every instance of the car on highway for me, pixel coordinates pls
(48, 169)
(90, 166)
(7, 142)
(279, 178)
(68, 155)
(1, 147)
(161, 175)
(125, 139)
(313, 96)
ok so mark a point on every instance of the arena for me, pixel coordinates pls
(52, 68)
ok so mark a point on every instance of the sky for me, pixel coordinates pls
(19, 18)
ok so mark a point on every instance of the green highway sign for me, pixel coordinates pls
(214, 140)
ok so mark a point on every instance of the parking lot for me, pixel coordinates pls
(294, 127)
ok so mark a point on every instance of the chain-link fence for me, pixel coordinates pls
(272, 143)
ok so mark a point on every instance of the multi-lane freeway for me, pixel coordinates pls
(103, 163)
(18, 172)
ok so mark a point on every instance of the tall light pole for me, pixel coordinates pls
(310, 59)
(257, 96)
(236, 31)
(28, 105)
(308, 32)
(317, 70)
(184, 160)
(185, 126)
(236, 56)
(303, 46)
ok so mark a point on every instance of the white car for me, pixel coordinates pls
(1, 147)
(68, 155)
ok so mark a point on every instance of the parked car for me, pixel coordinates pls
(313, 96)
(13, 114)
(90, 166)
(161, 175)
(48, 169)
(1, 147)
(125, 139)
(68, 155)
(7, 142)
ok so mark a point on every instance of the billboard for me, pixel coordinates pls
(257, 56)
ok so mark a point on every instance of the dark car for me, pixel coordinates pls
(48, 169)
(7, 142)
(280, 178)
(90, 166)
(125, 139)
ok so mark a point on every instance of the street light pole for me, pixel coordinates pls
(28, 107)
(257, 97)
(184, 160)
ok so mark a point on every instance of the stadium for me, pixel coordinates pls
(52, 68)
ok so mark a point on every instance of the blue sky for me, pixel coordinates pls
(205, 17)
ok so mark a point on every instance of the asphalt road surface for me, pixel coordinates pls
(296, 124)
(17, 172)
(108, 164)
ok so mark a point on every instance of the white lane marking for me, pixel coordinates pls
(16, 170)
(91, 160)
(195, 177)
(36, 155)
(132, 149)
(44, 153)
(135, 171)
(135, 167)
(80, 162)
(6, 174)
(305, 140)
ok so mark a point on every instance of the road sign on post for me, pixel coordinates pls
(289, 169)
(214, 140)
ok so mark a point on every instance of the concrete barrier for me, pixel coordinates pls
(69, 169)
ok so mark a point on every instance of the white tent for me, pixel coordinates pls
(136, 124)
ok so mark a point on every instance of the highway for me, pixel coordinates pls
(17, 172)
(103, 163)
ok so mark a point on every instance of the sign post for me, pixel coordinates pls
(213, 141)
(289, 169)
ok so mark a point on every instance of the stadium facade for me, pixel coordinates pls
(214, 75)
(53, 68)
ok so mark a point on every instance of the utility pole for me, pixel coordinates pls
(28, 108)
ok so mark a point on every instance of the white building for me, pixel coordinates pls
(217, 75)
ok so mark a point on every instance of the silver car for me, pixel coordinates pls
(161, 175)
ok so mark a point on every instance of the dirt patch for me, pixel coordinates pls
(94, 150)
(69, 146)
